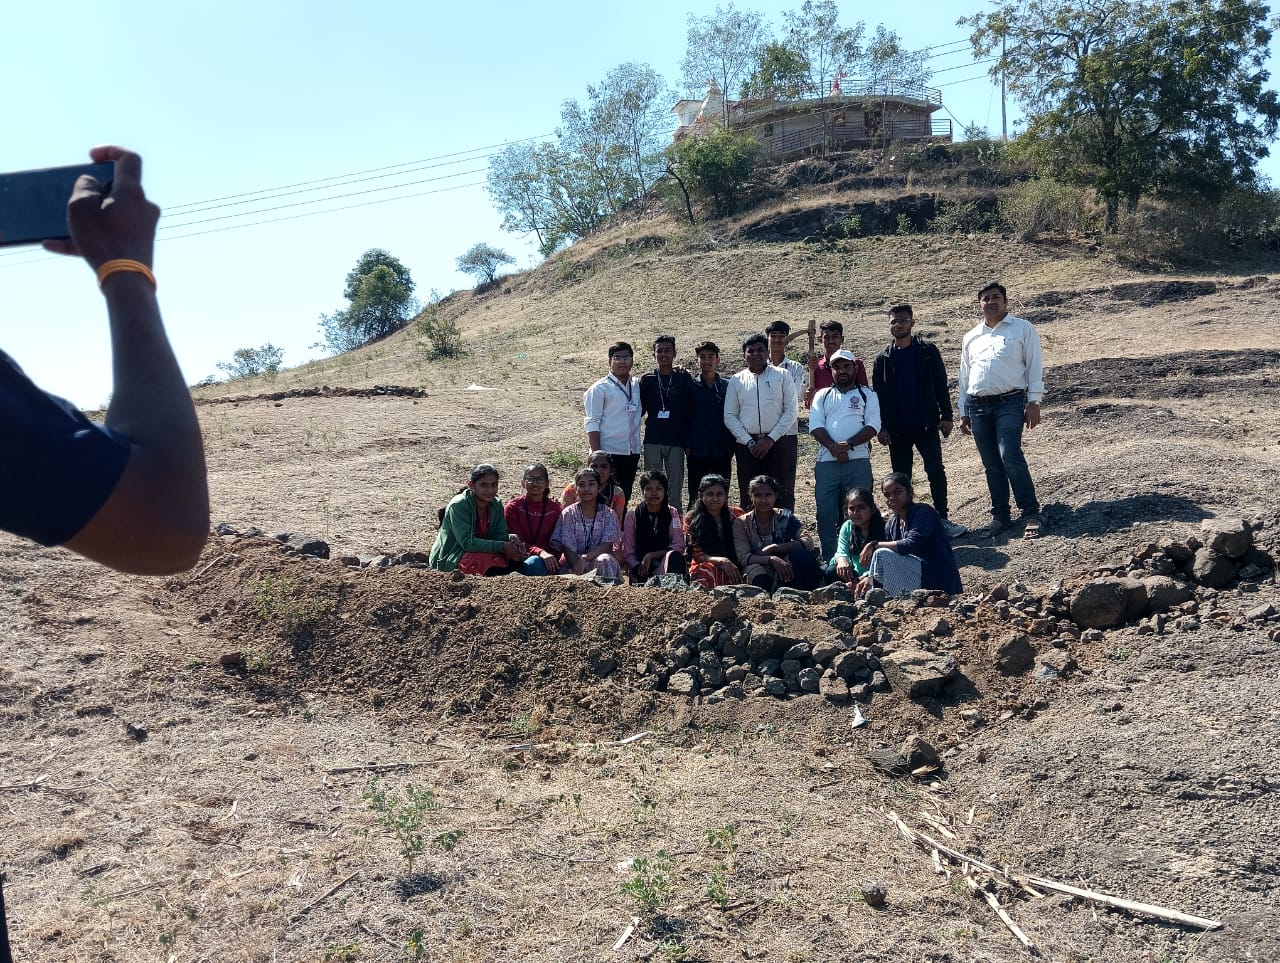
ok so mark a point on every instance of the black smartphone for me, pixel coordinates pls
(33, 204)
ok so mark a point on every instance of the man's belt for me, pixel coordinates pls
(1007, 394)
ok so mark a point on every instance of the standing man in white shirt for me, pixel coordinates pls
(760, 413)
(612, 407)
(1001, 385)
(842, 419)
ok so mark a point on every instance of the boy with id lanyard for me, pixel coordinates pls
(665, 396)
(612, 407)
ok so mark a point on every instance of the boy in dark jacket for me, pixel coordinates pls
(910, 382)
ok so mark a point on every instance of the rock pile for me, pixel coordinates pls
(1162, 576)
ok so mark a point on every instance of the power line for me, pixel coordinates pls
(371, 170)
(321, 200)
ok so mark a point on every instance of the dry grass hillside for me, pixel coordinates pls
(186, 764)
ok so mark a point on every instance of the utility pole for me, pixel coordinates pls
(1004, 121)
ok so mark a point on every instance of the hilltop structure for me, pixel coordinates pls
(802, 119)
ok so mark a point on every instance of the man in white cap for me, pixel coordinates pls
(842, 419)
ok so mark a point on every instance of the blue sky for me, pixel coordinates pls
(233, 98)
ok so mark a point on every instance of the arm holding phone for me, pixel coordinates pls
(156, 519)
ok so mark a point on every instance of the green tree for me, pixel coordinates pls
(814, 34)
(781, 71)
(1138, 98)
(250, 362)
(723, 47)
(482, 261)
(607, 153)
(716, 166)
(380, 292)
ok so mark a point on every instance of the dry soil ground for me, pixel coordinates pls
(156, 804)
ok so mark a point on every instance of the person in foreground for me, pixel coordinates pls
(131, 493)
(864, 524)
(772, 546)
(587, 534)
(708, 534)
(532, 516)
(652, 536)
(916, 550)
(473, 532)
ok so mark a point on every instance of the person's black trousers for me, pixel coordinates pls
(780, 463)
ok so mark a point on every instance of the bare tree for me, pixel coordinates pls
(723, 47)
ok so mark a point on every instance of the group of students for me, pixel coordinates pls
(591, 530)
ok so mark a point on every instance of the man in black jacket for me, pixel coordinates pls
(910, 381)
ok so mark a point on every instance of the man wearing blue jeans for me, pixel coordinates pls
(1000, 387)
(842, 419)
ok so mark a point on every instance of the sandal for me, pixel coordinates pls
(996, 527)
(1034, 526)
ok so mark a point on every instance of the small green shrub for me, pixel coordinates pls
(850, 225)
(906, 225)
(566, 459)
(1040, 206)
(404, 817)
(717, 166)
(650, 883)
(960, 217)
(280, 602)
(438, 337)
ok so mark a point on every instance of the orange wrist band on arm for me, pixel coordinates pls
(108, 268)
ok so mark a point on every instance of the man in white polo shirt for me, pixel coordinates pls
(842, 419)
(760, 413)
(1001, 384)
(612, 407)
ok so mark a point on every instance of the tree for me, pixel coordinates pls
(250, 362)
(723, 48)
(717, 165)
(815, 36)
(781, 71)
(1138, 98)
(380, 292)
(607, 153)
(482, 261)
(885, 59)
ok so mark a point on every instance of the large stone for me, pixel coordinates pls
(833, 688)
(722, 610)
(1013, 655)
(810, 680)
(684, 682)
(835, 592)
(738, 591)
(917, 673)
(1106, 602)
(306, 545)
(826, 650)
(889, 761)
(1213, 569)
(1231, 537)
(919, 753)
(764, 644)
(1164, 593)
(847, 664)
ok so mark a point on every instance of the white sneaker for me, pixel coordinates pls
(953, 529)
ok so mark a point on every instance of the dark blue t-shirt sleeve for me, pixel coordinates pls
(59, 468)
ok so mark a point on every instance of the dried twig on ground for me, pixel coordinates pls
(320, 899)
(1027, 883)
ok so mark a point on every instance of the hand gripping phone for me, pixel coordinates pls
(33, 204)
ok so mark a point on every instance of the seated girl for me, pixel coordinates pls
(587, 534)
(473, 532)
(863, 524)
(916, 551)
(773, 548)
(611, 493)
(652, 536)
(708, 535)
(533, 517)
